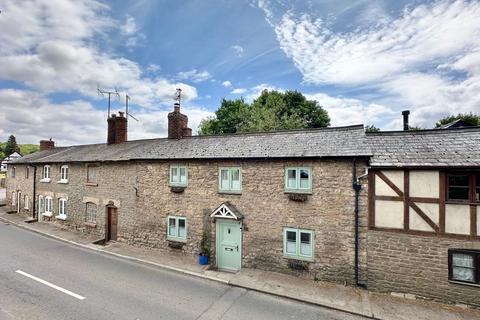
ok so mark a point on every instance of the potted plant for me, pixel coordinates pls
(204, 249)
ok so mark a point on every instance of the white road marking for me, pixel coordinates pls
(51, 285)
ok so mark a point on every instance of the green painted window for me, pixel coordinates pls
(177, 228)
(230, 179)
(178, 176)
(298, 243)
(298, 179)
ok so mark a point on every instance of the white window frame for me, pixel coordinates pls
(298, 255)
(297, 187)
(14, 198)
(178, 183)
(13, 172)
(230, 189)
(177, 236)
(26, 204)
(48, 207)
(64, 174)
(87, 216)
(46, 174)
(27, 172)
(94, 169)
(62, 209)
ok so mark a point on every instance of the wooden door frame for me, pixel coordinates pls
(107, 221)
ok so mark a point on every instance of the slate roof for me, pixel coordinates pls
(426, 148)
(324, 142)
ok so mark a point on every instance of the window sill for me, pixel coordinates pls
(47, 214)
(177, 189)
(90, 224)
(45, 180)
(464, 283)
(61, 217)
(239, 192)
(63, 181)
(172, 239)
(91, 184)
(464, 202)
(307, 259)
(297, 191)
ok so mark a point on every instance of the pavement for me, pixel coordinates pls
(351, 301)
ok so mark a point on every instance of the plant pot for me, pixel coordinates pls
(202, 260)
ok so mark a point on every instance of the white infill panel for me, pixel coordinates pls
(389, 214)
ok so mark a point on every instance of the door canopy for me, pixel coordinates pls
(227, 211)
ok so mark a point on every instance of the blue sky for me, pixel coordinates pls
(364, 60)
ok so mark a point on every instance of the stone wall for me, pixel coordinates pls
(22, 184)
(115, 184)
(329, 211)
(416, 265)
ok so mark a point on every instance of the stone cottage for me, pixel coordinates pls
(295, 201)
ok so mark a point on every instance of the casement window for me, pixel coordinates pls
(46, 173)
(27, 172)
(14, 198)
(41, 204)
(48, 206)
(298, 243)
(62, 209)
(64, 174)
(13, 172)
(298, 179)
(177, 228)
(463, 187)
(91, 212)
(464, 266)
(25, 202)
(92, 173)
(230, 179)
(178, 176)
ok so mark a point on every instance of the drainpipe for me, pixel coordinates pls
(357, 186)
(34, 202)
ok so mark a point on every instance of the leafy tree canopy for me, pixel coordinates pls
(272, 110)
(11, 146)
(371, 128)
(469, 118)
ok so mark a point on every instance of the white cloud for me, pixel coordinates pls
(239, 91)
(45, 59)
(130, 26)
(347, 111)
(226, 84)
(194, 75)
(31, 117)
(408, 59)
(238, 49)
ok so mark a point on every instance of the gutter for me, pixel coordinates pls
(357, 187)
(34, 202)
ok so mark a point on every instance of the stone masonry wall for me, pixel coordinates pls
(22, 184)
(115, 183)
(416, 265)
(329, 211)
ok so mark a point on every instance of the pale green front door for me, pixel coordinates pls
(229, 244)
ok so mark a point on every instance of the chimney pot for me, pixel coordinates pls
(405, 114)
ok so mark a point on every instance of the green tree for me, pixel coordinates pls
(470, 119)
(371, 128)
(272, 110)
(11, 146)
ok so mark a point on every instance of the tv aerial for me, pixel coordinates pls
(104, 93)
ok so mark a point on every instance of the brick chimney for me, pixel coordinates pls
(177, 124)
(117, 128)
(47, 144)
(405, 114)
